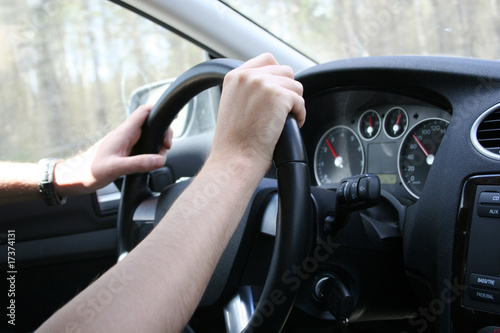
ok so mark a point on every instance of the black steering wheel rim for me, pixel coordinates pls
(294, 226)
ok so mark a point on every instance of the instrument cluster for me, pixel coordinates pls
(395, 137)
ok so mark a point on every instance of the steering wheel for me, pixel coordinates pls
(294, 228)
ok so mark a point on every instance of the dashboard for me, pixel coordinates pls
(429, 128)
(393, 136)
(436, 170)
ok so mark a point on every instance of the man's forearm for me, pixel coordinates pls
(167, 273)
(18, 181)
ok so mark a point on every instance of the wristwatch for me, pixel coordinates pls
(46, 183)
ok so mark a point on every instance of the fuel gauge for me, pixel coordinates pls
(369, 125)
(396, 122)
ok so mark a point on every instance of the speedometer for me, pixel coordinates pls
(338, 155)
(418, 151)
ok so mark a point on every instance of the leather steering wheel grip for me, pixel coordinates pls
(294, 232)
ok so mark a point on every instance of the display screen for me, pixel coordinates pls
(387, 178)
(381, 157)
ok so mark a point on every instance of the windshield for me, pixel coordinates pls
(328, 30)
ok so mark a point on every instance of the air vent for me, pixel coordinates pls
(485, 134)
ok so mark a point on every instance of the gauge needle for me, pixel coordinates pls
(395, 128)
(421, 145)
(331, 148)
(369, 130)
(339, 161)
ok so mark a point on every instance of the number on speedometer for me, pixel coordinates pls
(418, 151)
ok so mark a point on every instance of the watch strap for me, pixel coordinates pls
(46, 183)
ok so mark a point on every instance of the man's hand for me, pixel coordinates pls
(109, 158)
(255, 102)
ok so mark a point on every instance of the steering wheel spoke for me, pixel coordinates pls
(239, 310)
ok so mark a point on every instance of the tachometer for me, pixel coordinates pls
(339, 154)
(418, 151)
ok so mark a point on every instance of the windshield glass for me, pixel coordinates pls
(327, 30)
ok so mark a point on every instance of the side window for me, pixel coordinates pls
(69, 68)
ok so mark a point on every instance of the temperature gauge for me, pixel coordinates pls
(396, 122)
(369, 125)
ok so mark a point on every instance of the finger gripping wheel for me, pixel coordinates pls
(294, 227)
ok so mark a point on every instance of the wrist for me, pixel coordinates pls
(244, 168)
(68, 179)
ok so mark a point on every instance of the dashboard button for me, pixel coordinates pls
(484, 295)
(363, 189)
(488, 211)
(485, 281)
(492, 198)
